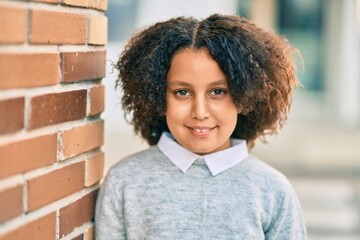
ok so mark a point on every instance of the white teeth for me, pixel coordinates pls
(201, 130)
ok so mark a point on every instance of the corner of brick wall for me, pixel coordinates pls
(52, 61)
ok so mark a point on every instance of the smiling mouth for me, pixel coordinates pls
(201, 131)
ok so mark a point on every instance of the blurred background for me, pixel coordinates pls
(319, 147)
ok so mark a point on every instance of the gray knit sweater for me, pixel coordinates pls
(147, 197)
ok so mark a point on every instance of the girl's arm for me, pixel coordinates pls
(109, 220)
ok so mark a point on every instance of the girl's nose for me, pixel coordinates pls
(200, 109)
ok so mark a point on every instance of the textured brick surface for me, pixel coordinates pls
(11, 204)
(43, 228)
(12, 114)
(80, 237)
(77, 66)
(97, 4)
(52, 60)
(13, 23)
(19, 70)
(82, 139)
(94, 169)
(57, 108)
(97, 97)
(77, 213)
(98, 30)
(28, 154)
(55, 185)
(50, 27)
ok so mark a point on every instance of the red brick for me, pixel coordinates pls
(57, 108)
(96, 4)
(98, 30)
(22, 70)
(80, 237)
(50, 27)
(94, 169)
(24, 155)
(82, 139)
(97, 97)
(77, 213)
(43, 228)
(78, 66)
(12, 115)
(11, 203)
(13, 25)
(55, 185)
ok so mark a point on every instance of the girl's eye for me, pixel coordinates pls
(217, 92)
(182, 93)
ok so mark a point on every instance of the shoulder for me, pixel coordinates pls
(265, 176)
(271, 187)
(144, 158)
(138, 165)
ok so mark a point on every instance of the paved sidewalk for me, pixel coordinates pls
(331, 207)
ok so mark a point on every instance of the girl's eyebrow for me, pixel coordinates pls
(220, 82)
(181, 83)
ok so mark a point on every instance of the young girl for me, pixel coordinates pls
(201, 92)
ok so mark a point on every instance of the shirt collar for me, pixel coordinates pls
(216, 162)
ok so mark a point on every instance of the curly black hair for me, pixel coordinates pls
(259, 66)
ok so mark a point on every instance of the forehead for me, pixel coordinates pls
(194, 65)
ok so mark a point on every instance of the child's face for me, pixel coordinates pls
(200, 114)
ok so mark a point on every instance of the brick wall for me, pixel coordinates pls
(52, 60)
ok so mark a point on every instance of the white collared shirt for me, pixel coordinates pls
(217, 162)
